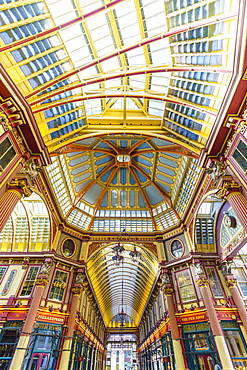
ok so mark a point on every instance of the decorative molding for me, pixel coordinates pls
(21, 183)
(226, 267)
(42, 281)
(168, 291)
(216, 170)
(230, 283)
(203, 282)
(31, 168)
(226, 186)
(76, 290)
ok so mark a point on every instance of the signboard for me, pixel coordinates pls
(50, 318)
(195, 317)
(17, 315)
(227, 315)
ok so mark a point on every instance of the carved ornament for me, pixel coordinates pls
(21, 183)
(168, 291)
(230, 283)
(227, 185)
(217, 170)
(76, 290)
(42, 281)
(31, 168)
(203, 282)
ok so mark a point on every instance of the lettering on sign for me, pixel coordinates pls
(194, 318)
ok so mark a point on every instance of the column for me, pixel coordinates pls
(17, 188)
(217, 331)
(230, 191)
(64, 361)
(28, 326)
(232, 283)
(178, 352)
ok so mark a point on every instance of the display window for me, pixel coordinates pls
(235, 343)
(201, 350)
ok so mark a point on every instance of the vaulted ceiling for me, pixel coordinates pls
(126, 94)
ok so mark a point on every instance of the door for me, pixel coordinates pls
(39, 361)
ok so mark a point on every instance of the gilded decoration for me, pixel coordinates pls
(21, 183)
(217, 170)
(203, 282)
(31, 168)
(227, 185)
(168, 290)
(76, 290)
(41, 281)
(230, 283)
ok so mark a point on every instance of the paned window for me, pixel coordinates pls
(185, 285)
(7, 153)
(240, 155)
(58, 285)
(29, 281)
(2, 271)
(214, 282)
(241, 278)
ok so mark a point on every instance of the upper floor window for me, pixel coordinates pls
(185, 285)
(29, 281)
(3, 269)
(241, 278)
(214, 282)
(58, 285)
(7, 153)
(240, 155)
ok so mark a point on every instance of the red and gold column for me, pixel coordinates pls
(217, 331)
(232, 283)
(230, 191)
(17, 188)
(64, 361)
(28, 326)
(178, 352)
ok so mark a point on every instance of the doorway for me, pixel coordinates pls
(39, 361)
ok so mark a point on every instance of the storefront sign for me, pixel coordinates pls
(50, 318)
(227, 315)
(17, 315)
(199, 316)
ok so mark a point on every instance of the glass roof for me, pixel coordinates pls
(141, 79)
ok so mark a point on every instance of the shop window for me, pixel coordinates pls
(185, 285)
(241, 278)
(235, 344)
(58, 285)
(7, 153)
(214, 282)
(240, 155)
(29, 281)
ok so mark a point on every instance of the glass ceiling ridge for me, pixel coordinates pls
(45, 33)
(138, 44)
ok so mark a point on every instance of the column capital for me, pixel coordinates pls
(22, 184)
(231, 282)
(168, 290)
(42, 281)
(202, 282)
(227, 188)
(76, 290)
